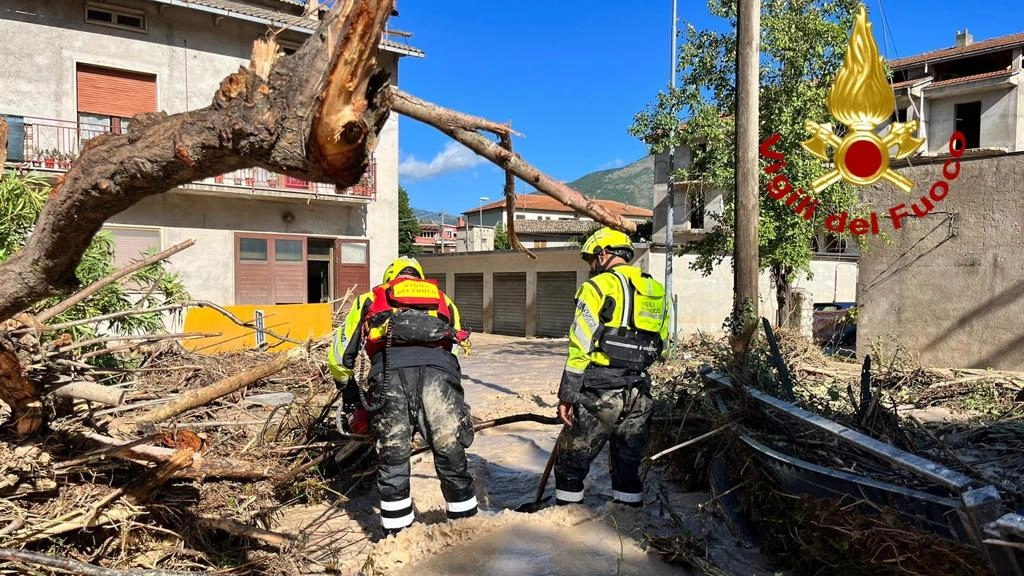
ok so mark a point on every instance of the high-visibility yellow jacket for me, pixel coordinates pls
(600, 304)
(348, 341)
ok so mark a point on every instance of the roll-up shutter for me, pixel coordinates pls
(115, 92)
(510, 304)
(469, 297)
(556, 301)
(440, 279)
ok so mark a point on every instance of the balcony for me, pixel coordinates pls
(49, 146)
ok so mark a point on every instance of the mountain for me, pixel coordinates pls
(632, 184)
(426, 216)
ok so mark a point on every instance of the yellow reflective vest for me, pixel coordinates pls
(600, 306)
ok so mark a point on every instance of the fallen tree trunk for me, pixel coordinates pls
(313, 115)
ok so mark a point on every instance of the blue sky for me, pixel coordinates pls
(571, 75)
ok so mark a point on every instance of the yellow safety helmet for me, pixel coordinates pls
(608, 240)
(401, 263)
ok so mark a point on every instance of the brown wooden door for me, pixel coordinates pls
(352, 267)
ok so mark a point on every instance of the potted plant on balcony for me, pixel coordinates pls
(49, 157)
(218, 179)
(274, 181)
(64, 160)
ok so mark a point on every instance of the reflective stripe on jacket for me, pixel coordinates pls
(599, 303)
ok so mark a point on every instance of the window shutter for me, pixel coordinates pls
(116, 93)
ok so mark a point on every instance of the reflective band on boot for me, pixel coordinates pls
(634, 498)
(566, 497)
(463, 509)
(396, 514)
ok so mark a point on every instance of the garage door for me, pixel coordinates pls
(469, 297)
(556, 299)
(510, 304)
(440, 279)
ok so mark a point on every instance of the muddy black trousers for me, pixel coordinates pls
(429, 400)
(620, 416)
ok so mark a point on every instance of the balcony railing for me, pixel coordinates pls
(49, 144)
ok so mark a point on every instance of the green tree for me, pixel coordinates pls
(803, 43)
(21, 200)
(408, 226)
(501, 241)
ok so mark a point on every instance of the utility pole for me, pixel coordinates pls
(670, 231)
(745, 257)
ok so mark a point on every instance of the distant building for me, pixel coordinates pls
(973, 87)
(542, 221)
(437, 238)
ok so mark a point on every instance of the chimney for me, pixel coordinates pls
(963, 38)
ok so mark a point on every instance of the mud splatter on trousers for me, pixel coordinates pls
(431, 401)
(620, 416)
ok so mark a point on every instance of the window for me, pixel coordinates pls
(900, 115)
(968, 121)
(116, 16)
(520, 217)
(132, 243)
(696, 201)
(253, 249)
(288, 250)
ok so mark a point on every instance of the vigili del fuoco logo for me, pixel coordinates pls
(862, 100)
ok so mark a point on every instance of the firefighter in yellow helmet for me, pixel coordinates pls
(619, 329)
(410, 331)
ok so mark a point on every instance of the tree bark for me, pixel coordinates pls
(463, 128)
(314, 115)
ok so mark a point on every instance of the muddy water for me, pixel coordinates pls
(506, 376)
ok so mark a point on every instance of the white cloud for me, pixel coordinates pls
(453, 158)
(617, 163)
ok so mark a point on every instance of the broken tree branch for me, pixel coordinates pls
(451, 123)
(75, 567)
(510, 202)
(275, 539)
(200, 396)
(98, 285)
(85, 390)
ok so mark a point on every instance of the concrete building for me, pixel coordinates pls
(539, 206)
(537, 216)
(949, 286)
(973, 87)
(437, 238)
(78, 68)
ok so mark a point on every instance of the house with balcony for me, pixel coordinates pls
(437, 238)
(78, 68)
(973, 87)
(541, 221)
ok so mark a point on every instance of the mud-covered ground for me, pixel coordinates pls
(505, 376)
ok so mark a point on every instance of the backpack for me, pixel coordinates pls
(636, 343)
(409, 311)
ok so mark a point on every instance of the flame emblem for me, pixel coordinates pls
(862, 99)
